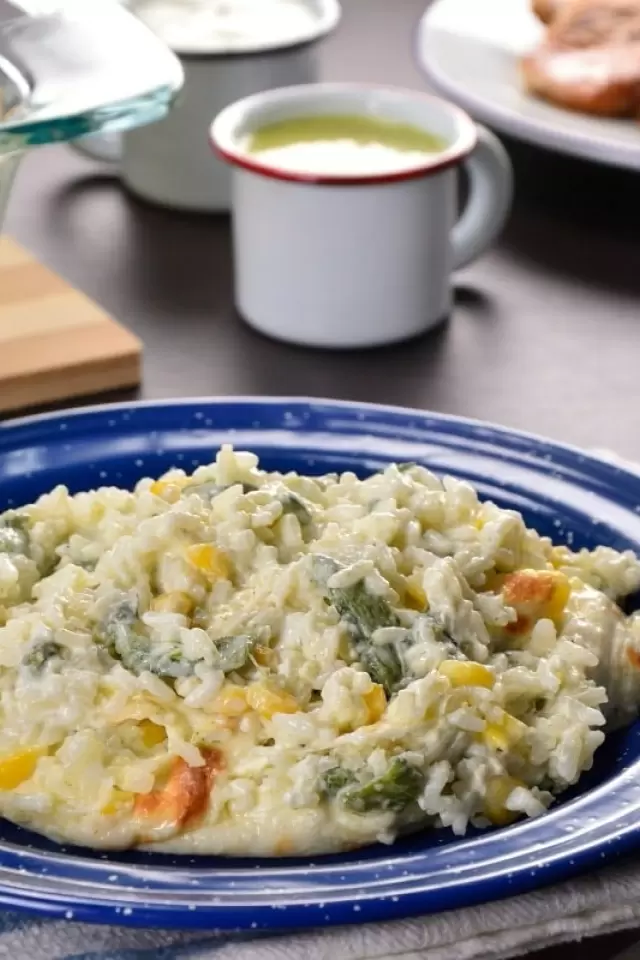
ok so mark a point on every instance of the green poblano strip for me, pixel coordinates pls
(398, 787)
(291, 503)
(364, 613)
(442, 635)
(206, 491)
(234, 652)
(138, 656)
(334, 780)
(43, 653)
(383, 665)
(209, 490)
(14, 534)
(119, 634)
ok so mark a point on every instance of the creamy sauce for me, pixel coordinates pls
(343, 144)
(219, 26)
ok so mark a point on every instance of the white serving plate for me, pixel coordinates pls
(469, 52)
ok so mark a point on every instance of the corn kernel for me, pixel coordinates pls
(175, 602)
(498, 791)
(495, 736)
(119, 800)
(210, 560)
(537, 593)
(152, 733)
(561, 591)
(504, 732)
(493, 581)
(266, 702)
(375, 702)
(18, 767)
(466, 673)
(166, 490)
(431, 713)
(415, 597)
(560, 557)
(231, 701)
(263, 656)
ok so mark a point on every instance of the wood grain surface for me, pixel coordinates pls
(55, 343)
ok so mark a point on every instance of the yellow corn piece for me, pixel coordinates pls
(415, 597)
(119, 800)
(174, 602)
(152, 733)
(263, 656)
(210, 560)
(537, 593)
(18, 767)
(432, 713)
(501, 734)
(166, 489)
(466, 673)
(493, 581)
(560, 557)
(376, 703)
(560, 593)
(499, 789)
(231, 701)
(266, 701)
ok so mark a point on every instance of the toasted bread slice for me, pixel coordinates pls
(547, 10)
(590, 59)
(581, 24)
(603, 81)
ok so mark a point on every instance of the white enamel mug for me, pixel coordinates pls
(169, 163)
(360, 259)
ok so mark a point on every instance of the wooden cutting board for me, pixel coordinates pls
(55, 343)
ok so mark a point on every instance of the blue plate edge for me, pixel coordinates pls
(299, 915)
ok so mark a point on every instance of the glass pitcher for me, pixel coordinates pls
(88, 67)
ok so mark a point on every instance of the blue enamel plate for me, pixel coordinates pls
(574, 498)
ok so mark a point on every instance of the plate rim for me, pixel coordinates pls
(112, 903)
(600, 150)
(33, 419)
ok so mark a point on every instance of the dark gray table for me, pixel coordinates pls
(545, 334)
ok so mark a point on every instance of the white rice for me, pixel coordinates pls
(512, 654)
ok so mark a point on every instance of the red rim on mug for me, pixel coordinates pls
(246, 115)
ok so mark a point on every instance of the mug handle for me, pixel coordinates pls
(490, 195)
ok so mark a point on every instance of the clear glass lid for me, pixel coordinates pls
(78, 68)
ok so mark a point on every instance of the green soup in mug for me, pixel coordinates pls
(342, 144)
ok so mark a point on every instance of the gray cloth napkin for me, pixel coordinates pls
(600, 903)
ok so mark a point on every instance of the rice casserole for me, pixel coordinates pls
(241, 662)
